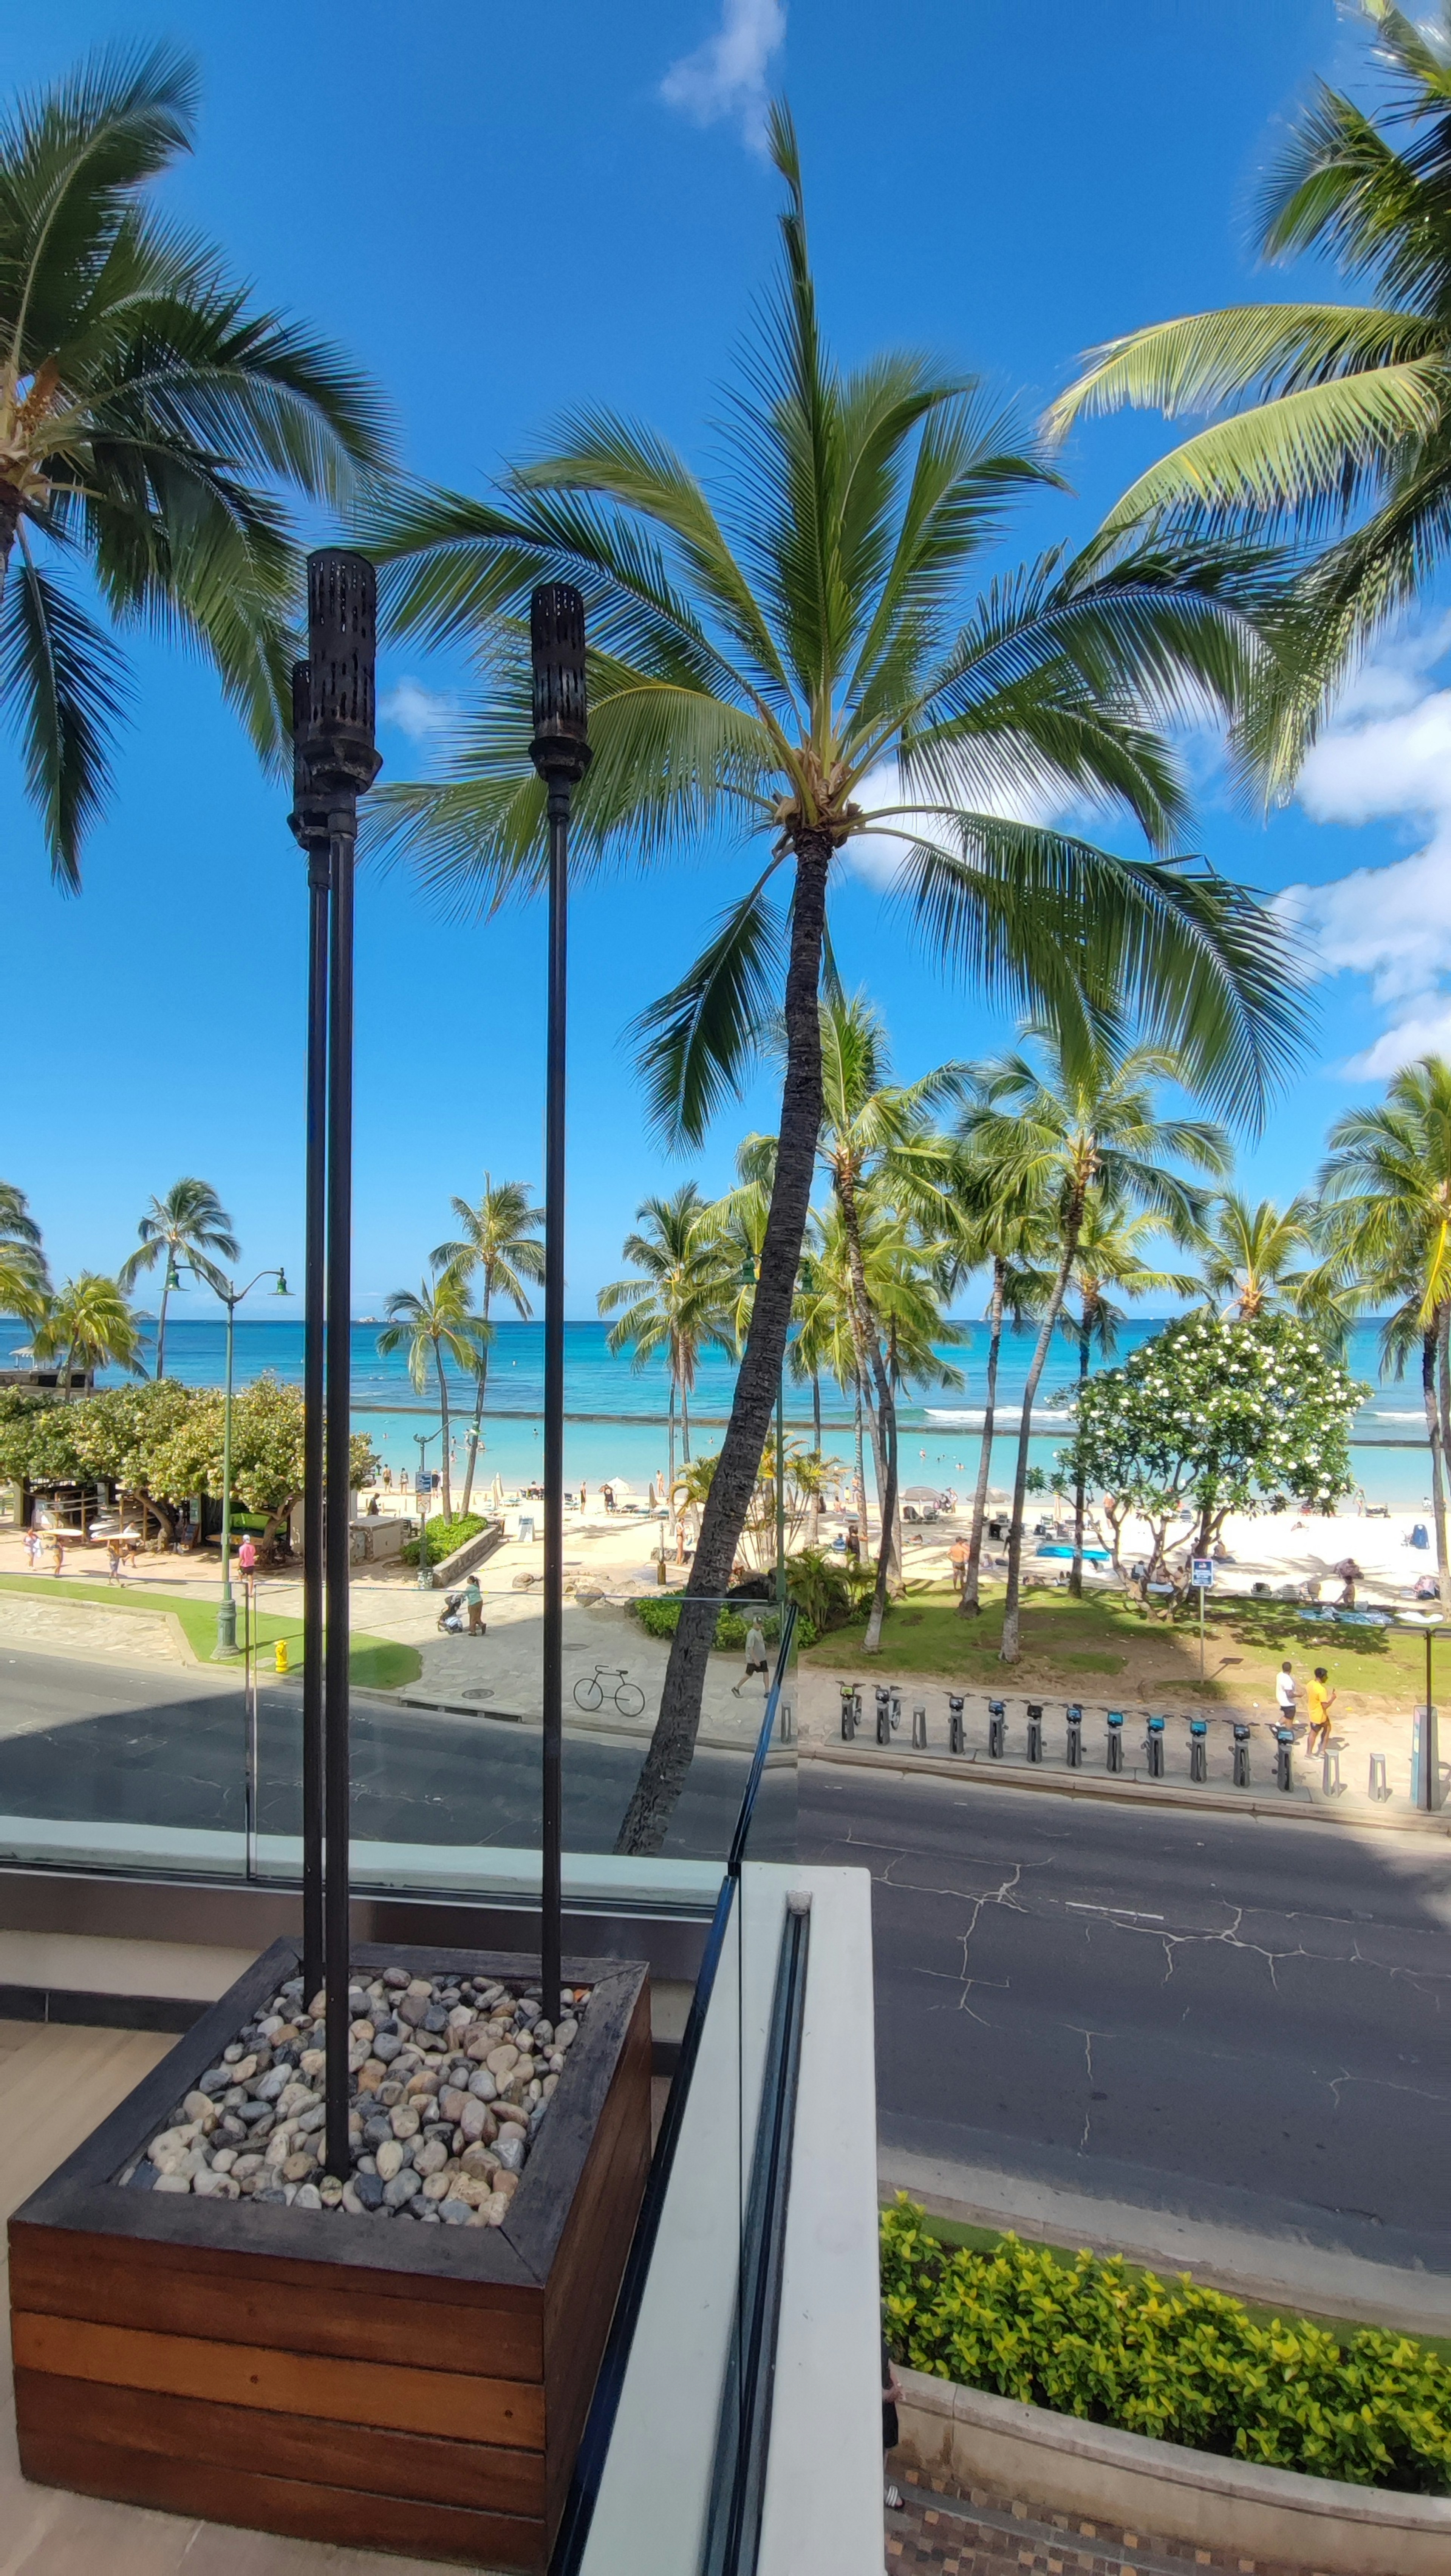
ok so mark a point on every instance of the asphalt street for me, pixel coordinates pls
(1243, 2021)
(142, 1745)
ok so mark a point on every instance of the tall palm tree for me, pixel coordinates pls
(1110, 1255)
(874, 1136)
(1247, 1254)
(991, 1221)
(150, 417)
(681, 1300)
(24, 1277)
(1339, 414)
(185, 1227)
(434, 1325)
(804, 659)
(1387, 1182)
(90, 1321)
(496, 1245)
(1065, 1120)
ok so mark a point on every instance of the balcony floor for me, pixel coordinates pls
(56, 2083)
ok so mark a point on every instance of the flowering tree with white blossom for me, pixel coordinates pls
(1216, 1417)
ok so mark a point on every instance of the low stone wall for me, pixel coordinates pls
(972, 2438)
(453, 1569)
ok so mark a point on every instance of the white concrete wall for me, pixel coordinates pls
(823, 2500)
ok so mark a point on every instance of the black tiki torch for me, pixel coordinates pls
(560, 753)
(341, 763)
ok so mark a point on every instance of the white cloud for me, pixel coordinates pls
(877, 857)
(1387, 755)
(416, 711)
(1393, 764)
(726, 76)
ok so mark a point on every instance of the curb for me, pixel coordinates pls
(1125, 1792)
(1198, 2496)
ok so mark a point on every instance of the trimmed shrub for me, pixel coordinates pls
(659, 1616)
(445, 1536)
(1173, 2360)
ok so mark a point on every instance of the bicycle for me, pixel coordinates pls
(629, 1700)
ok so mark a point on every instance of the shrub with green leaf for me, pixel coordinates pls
(1170, 2359)
(659, 1616)
(445, 1536)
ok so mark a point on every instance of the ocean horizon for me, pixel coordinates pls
(616, 1412)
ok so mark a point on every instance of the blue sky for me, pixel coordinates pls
(499, 211)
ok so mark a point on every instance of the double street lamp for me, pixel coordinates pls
(231, 1297)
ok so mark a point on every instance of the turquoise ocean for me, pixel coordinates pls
(616, 1413)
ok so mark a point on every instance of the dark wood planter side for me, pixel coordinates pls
(366, 2382)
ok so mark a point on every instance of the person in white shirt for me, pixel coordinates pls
(1285, 1693)
(755, 1657)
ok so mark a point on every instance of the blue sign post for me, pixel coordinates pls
(1201, 1575)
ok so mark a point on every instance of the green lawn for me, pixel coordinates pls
(985, 2240)
(1145, 1652)
(374, 1663)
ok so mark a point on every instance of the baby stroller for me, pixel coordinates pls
(451, 1616)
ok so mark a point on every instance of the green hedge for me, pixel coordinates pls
(659, 1616)
(445, 1536)
(1175, 2361)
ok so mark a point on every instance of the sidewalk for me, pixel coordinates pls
(1353, 1743)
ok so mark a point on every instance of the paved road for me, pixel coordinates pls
(1246, 2021)
(142, 1745)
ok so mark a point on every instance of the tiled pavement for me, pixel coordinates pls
(986, 2534)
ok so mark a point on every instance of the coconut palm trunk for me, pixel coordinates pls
(477, 1425)
(1438, 1459)
(1080, 1491)
(867, 1342)
(161, 1333)
(443, 1442)
(971, 1603)
(672, 1747)
(814, 1531)
(1009, 1650)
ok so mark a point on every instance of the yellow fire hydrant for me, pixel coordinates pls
(280, 1650)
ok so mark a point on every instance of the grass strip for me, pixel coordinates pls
(374, 1663)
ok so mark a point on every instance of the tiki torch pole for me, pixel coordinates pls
(560, 753)
(309, 823)
(342, 764)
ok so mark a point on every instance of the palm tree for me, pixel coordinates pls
(874, 1136)
(1339, 414)
(1246, 1254)
(496, 1244)
(436, 1324)
(992, 1223)
(1110, 1254)
(1387, 1181)
(1076, 1117)
(187, 1226)
(680, 1302)
(24, 1277)
(90, 1321)
(148, 414)
(804, 659)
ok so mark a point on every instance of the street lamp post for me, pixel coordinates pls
(425, 1575)
(339, 762)
(226, 1646)
(560, 752)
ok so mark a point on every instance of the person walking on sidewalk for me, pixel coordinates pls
(755, 1657)
(1285, 1692)
(474, 1604)
(1322, 1700)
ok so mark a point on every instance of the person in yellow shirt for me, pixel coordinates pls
(1322, 1699)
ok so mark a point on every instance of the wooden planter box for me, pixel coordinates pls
(358, 2380)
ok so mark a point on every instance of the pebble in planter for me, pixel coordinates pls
(449, 2086)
